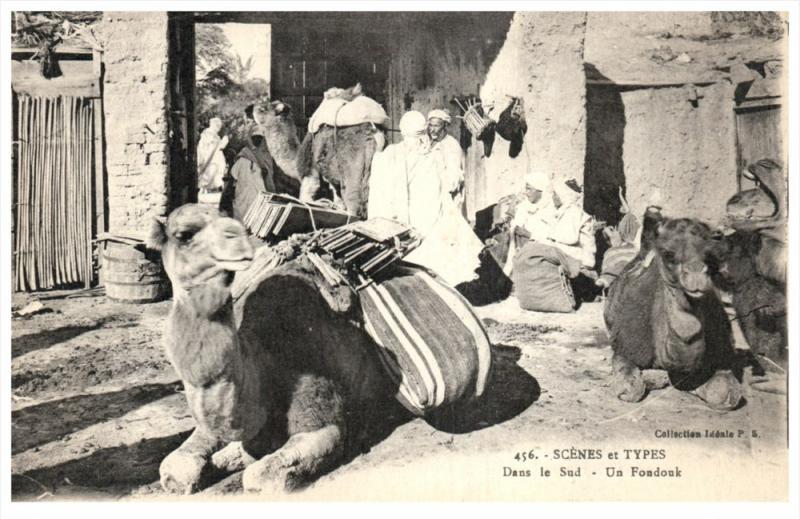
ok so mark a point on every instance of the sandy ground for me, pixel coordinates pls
(96, 407)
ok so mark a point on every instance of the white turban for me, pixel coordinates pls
(537, 180)
(567, 195)
(412, 123)
(439, 114)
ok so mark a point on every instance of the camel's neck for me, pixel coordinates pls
(202, 338)
(283, 145)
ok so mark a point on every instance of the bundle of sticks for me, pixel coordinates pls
(355, 253)
(54, 211)
(282, 215)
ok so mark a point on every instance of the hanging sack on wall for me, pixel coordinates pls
(512, 127)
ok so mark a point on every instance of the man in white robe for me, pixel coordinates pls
(452, 174)
(572, 229)
(210, 159)
(405, 185)
(532, 215)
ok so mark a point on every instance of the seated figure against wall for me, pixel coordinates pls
(560, 246)
(529, 215)
(623, 241)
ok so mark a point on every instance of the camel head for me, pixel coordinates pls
(684, 247)
(269, 113)
(750, 206)
(280, 131)
(198, 244)
(763, 205)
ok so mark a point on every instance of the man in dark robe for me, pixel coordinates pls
(251, 174)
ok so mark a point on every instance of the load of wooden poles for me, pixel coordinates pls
(356, 253)
(274, 215)
(53, 228)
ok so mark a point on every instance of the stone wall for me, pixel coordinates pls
(541, 62)
(135, 100)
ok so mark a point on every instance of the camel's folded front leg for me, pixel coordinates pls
(627, 381)
(180, 470)
(722, 391)
(232, 457)
(301, 459)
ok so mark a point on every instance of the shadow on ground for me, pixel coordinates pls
(47, 338)
(43, 423)
(510, 391)
(113, 472)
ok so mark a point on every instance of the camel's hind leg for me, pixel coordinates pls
(315, 424)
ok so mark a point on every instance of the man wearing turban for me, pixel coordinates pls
(452, 175)
(531, 215)
(210, 158)
(561, 245)
(405, 185)
(251, 174)
(571, 229)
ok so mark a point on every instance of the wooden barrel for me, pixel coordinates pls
(131, 276)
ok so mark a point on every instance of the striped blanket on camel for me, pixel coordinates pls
(430, 341)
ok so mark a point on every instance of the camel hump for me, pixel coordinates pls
(629, 312)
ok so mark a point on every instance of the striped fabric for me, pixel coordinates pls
(616, 258)
(431, 343)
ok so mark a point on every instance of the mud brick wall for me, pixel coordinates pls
(541, 62)
(679, 149)
(135, 101)
(429, 66)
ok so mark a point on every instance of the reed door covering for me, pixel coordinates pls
(55, 176)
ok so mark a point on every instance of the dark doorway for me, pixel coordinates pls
(306, 63)
(758, 136)
(183, 173)
(604, 168)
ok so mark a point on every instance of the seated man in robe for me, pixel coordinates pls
(623, 241)
(405, 185)
(572, 229)
(530, 218)
(561, 245)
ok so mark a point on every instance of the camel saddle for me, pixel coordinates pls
(340, 112)
(429, 340)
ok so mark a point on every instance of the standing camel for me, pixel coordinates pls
(341, 156)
